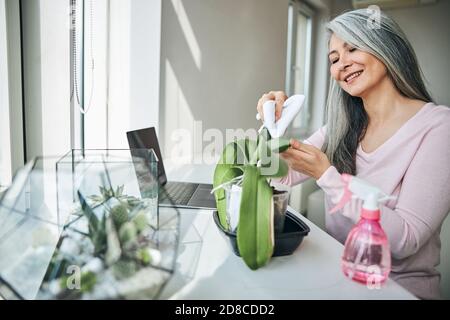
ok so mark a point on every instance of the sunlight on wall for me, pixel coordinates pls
(179, 121)
(95, 120)
(119, 92)
(55, 78)
(188, 32)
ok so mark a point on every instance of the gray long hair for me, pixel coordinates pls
(346, 118)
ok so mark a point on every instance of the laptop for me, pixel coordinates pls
(172, 193)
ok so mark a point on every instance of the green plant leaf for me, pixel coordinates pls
(250, 149)
(113, 250)
(119, 191)
(255, 230)
(124, 268)
(229, 154)
(272, 166)
(119, 214)
(244, 148)
(264, 153)
(265, 134)
(276, 167)
(98, 237)
(279, 144)
(88, 281)
(234, 155)
(238, 152)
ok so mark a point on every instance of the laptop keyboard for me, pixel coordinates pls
(178, 192)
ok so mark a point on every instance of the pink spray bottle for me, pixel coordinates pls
(367, 257)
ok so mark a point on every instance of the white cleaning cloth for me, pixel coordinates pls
(234, 205)
(291, 108)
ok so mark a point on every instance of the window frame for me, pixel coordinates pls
(5, 160)
(13, 153)
(296, 7)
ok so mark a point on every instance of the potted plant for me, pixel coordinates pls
(252, 164)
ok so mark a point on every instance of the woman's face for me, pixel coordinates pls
(357, 72)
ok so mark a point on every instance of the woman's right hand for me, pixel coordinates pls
(278, 96)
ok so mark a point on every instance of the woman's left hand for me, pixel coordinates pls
(306, 159)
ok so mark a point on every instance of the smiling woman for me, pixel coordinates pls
(386, 62)
(383, 127)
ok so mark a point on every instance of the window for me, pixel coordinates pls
(11, 119)
(298, 75)
(5, 160)
(111, 49)
(114, 71)
(88, 73)
(11, 116)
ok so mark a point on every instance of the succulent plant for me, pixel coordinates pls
(128, 234)
(140, 221)
(117, 236)
(88, 281)
(119, 214)
(114, 250)
(107, 193)
(124, 268)
(143, 255)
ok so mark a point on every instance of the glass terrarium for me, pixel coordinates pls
(30, 226)
(88, 226)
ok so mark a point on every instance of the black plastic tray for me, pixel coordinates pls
(285, 243)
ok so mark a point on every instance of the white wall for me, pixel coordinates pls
(145, 54)
(217, 59)
(55, 76)
(119, 81)
(47, 77)
(428, 30)
(95, 120)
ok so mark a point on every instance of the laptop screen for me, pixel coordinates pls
(146, 138)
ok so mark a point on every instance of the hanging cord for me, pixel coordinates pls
(236, 180)
(82, 108)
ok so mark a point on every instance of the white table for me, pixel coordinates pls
(312, 272)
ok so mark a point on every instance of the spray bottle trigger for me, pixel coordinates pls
(346, 197)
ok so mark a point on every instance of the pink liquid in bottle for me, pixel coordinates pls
(367, 257)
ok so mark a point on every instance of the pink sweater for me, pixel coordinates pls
(414, 165)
